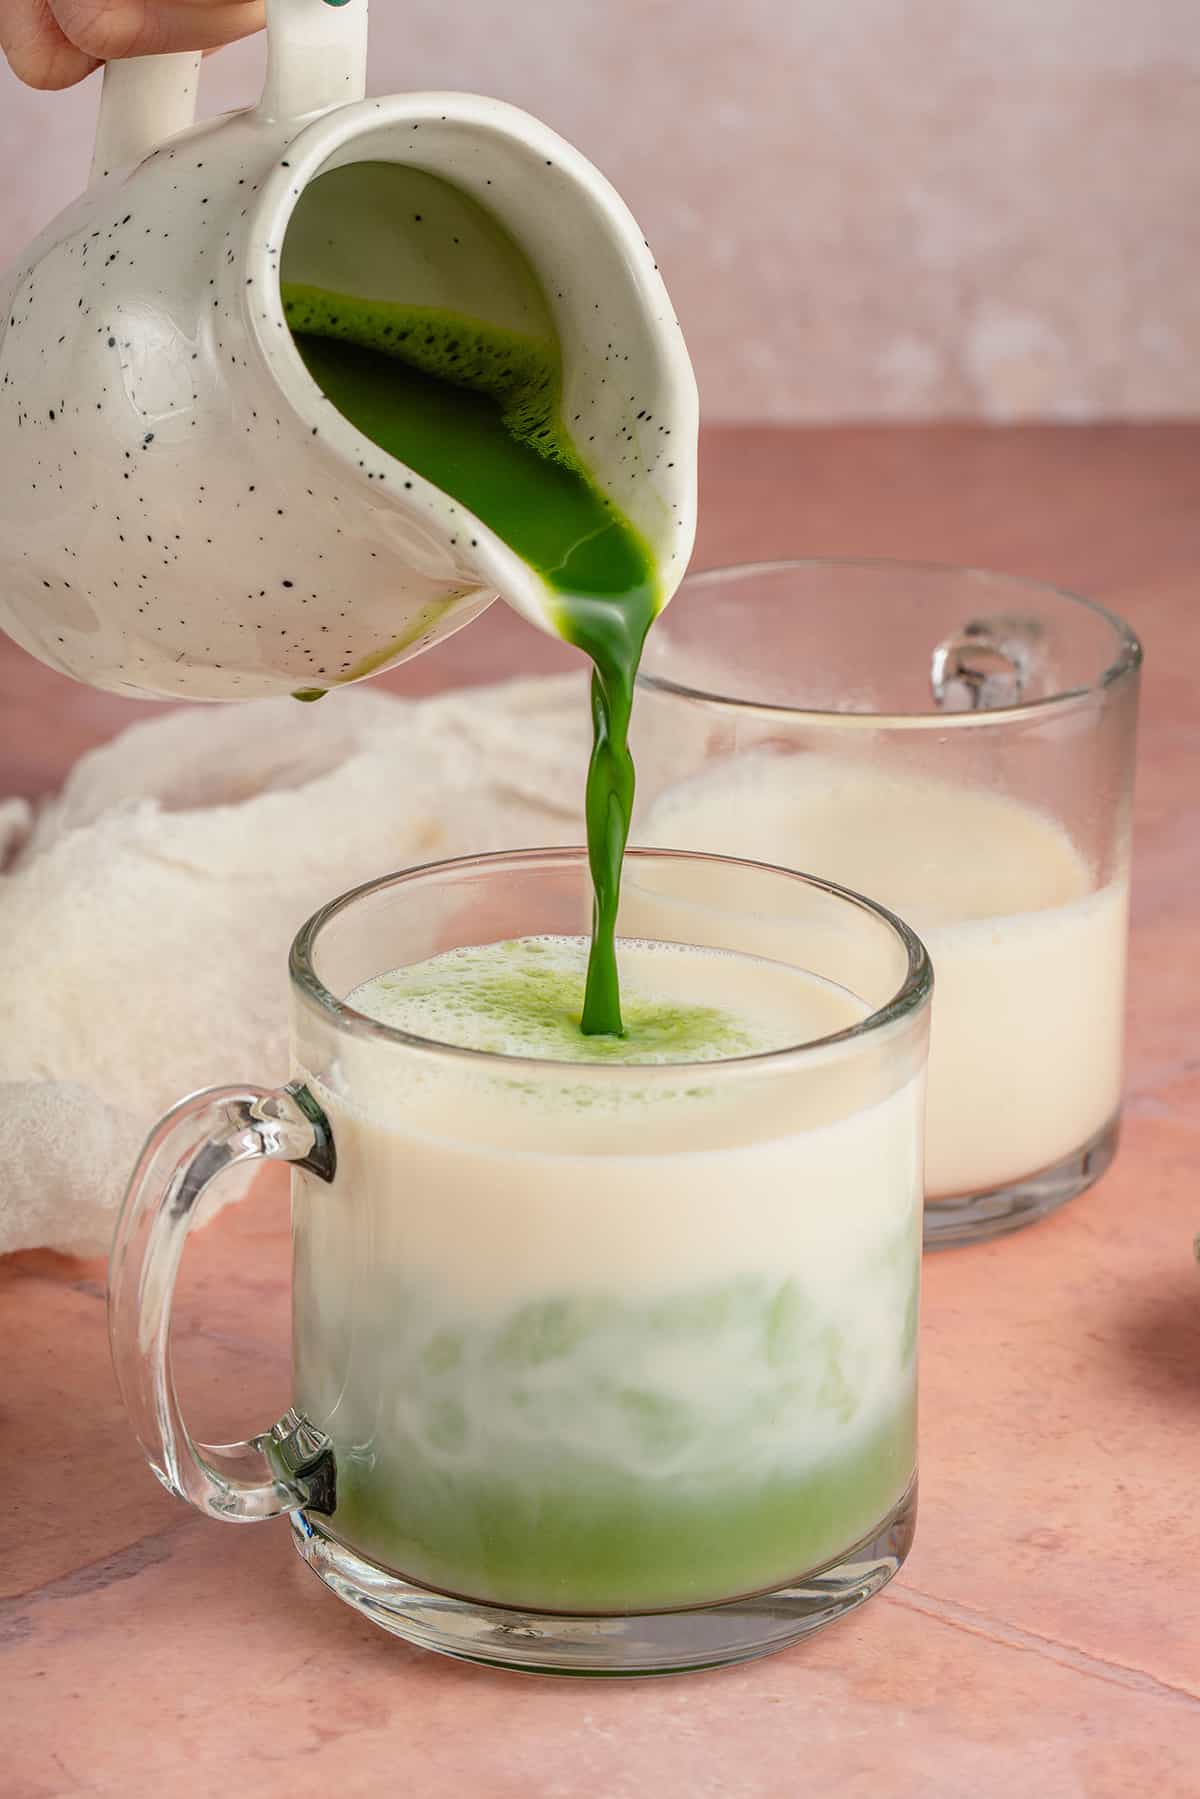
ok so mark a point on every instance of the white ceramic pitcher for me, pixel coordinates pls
(182, 512)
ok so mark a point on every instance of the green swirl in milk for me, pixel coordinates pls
(525, 997)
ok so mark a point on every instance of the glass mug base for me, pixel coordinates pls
(712, 1636)
(974, 1217)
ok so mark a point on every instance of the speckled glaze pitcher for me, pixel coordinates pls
(183, 513)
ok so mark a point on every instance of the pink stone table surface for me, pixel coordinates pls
(1044, 1638)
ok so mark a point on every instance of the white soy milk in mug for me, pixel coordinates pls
(1029, 959)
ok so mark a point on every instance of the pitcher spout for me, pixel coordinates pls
(449, 207)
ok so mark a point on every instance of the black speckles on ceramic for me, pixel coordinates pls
(184, 514)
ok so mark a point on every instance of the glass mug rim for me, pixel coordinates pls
(1126, 659)
(904, 1004)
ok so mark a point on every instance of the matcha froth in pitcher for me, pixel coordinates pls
(474, 408)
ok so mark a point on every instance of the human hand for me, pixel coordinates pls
(55, 43)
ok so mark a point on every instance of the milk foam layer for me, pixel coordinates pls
(1028, 950)
(524, 997)
(650, 1351)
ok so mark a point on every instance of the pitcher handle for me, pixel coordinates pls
(291, 1464)
(316, 58)
(144, 101)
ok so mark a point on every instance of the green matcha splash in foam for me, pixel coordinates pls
(524, 998)
(475, 409)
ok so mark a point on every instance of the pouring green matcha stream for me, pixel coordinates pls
(474, 409)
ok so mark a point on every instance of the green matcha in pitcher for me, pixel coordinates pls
(475, 409)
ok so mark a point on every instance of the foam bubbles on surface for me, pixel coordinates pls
(524, 997)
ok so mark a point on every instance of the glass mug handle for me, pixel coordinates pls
(290, 1465)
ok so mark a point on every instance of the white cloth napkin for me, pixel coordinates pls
(146, 912)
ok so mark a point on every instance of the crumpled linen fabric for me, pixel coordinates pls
(146, 911)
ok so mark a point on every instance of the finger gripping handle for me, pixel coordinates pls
(202, 1138)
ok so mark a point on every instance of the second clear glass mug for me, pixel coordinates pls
(960, 745)
(598, 1368)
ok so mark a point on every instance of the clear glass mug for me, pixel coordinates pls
(959, 745)
(598, 1368)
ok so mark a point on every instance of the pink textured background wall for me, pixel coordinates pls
(864, 208)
